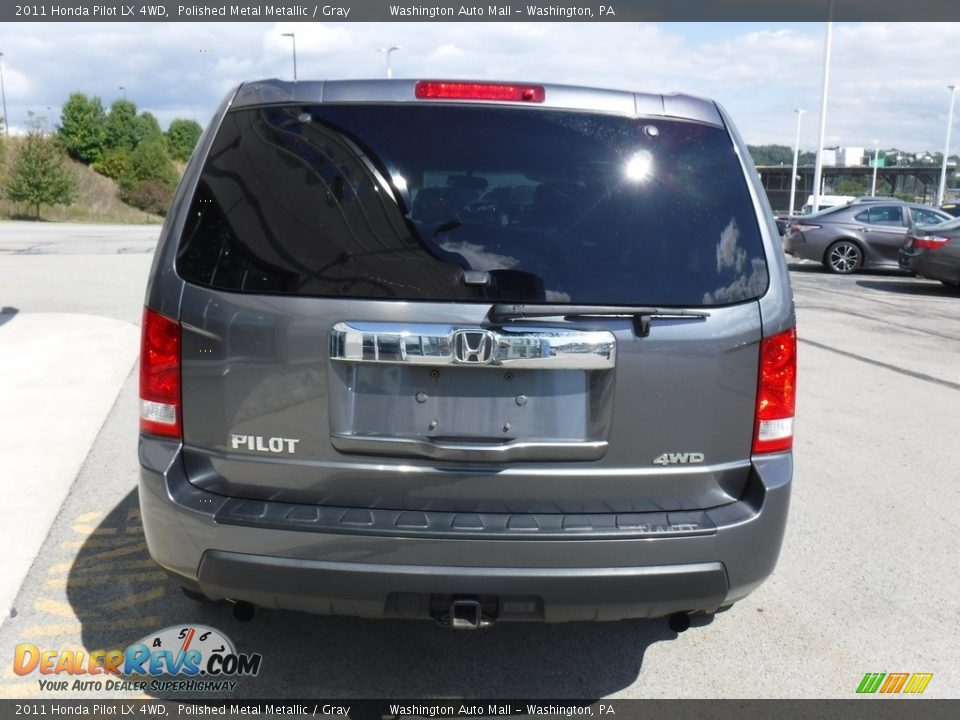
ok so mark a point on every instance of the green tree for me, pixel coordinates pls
(81, 132)
(771, 154)
(182, 137)
(149, 178)
(851, 186)
(778, 155)
(146, 127)
(121, 126)
(39, 175)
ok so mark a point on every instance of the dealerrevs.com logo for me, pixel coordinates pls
(200, 658)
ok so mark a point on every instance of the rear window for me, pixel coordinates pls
(400, 201)
(922, 216)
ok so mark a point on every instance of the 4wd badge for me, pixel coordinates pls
(679, 459)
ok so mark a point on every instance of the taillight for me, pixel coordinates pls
(437, 90)
(800, 228)
(160, 375)
(776, 393)
(930, 242)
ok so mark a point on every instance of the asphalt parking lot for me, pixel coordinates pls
(868, 579)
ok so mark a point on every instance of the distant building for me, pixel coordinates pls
(828, 157)
(851, 157)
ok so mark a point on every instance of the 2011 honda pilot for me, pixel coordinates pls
(360, 396)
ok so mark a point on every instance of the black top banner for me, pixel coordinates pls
(499, 11)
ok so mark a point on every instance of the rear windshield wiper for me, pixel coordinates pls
(641, 315)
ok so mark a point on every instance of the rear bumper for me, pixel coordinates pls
(653, 570)
(928, 265)
(408, 591)
(796, 244)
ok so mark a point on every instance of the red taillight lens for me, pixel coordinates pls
(800, 228)
(930, 242)
(160, 375)
(435, 90)
(776, 393)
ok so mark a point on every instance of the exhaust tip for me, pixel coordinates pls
(679, 622)
(244, 611)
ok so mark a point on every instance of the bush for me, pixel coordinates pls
(151, 196)
(113, 164)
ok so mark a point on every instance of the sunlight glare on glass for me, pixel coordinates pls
(398, 182)
(640, 166)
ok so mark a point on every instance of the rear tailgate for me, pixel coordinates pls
(654, 423)
(339, 350)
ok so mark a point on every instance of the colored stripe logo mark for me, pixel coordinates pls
(891, 683)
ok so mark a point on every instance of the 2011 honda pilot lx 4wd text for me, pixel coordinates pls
(362, 396)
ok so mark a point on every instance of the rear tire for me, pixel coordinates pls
(843, 257)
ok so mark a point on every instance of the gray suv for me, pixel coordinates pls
(360, 398)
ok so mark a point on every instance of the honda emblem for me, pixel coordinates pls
(473, 347)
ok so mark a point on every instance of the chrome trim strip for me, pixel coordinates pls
(588, 473)
(441, 345)
(467, 451)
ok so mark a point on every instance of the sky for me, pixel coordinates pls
(888, 81)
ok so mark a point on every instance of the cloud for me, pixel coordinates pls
(888, 81)
(729, 252)
(448, 51)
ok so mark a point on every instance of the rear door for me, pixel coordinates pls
(338, 344)
(884, 230)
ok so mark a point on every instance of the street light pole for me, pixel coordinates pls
(293, 37)
(796, 156)
(818, 169)
(876, 151)
(3, 92)
(389, 50)
(946, 148)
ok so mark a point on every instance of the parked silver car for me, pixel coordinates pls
(359, 397)
(860, 235)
